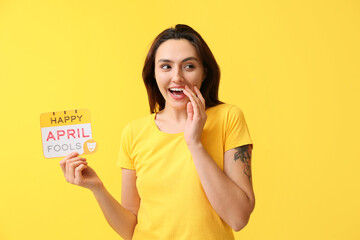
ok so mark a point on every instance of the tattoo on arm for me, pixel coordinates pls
(244, 154)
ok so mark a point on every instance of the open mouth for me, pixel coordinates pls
(177, 93)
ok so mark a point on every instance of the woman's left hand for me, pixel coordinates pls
(196, 116)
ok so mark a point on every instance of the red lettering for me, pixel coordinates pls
(74, 133)
(70, 132)
(60, 133)
(83, 134)
(50, 136)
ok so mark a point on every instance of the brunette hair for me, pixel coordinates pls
(210, 86)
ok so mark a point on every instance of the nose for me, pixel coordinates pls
(177, 75)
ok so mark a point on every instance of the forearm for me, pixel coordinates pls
(229, 201)
(120, 219)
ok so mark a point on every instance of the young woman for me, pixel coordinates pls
(186, 171)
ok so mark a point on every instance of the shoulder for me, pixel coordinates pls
(138, 124)
(225, 111)
(140, 121)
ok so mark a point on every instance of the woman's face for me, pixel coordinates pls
(176, 65)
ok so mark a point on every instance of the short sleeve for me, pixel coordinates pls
(124, 159)
(237, 132)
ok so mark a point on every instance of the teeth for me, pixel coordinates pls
(176, 89)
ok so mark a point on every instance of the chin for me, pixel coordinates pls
(178, 105)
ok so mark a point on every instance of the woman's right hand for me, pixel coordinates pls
(77, 171)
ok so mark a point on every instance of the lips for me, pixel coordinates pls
(177, 93)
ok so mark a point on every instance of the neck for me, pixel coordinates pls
(177, 116)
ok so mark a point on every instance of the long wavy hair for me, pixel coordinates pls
(210, 86)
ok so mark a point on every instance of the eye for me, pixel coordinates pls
(189, 66)
(165, 66)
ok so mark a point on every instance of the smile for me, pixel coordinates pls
(177, 93)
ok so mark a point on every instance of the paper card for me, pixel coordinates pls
(66, 132)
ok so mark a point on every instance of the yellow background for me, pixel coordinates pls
(292, 66)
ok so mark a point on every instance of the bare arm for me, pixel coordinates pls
(119, 218)
(76, 171)
(230, 192)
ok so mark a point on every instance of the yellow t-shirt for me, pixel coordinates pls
(173, 203)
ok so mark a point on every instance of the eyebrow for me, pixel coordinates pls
(186, 59)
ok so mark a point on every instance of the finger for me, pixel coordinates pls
(70, 173)
(76, 159)
(78, 173)
(190, 111)
(192, 95)
(63, 161)
(194, 102)
(67, 161)
(201, 100)
(190, 91)
(197, 96)
(198, 93)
